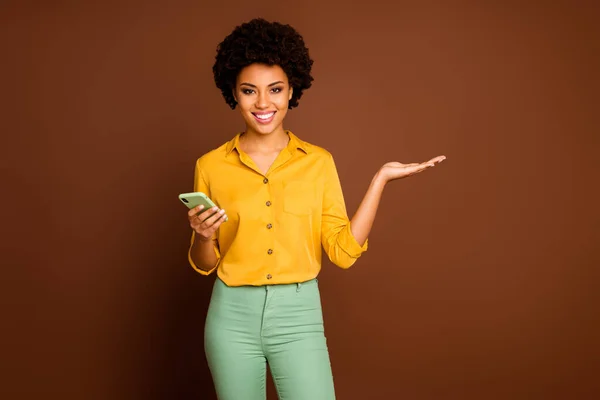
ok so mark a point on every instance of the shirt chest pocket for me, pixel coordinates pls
(299, 197)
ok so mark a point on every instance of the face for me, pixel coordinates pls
(263, 93)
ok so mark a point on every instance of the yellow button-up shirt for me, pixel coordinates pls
(278, 221)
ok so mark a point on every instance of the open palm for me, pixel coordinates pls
(396, 170)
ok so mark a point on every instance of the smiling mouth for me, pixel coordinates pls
(264, 118)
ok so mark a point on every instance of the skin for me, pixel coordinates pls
(261, 89)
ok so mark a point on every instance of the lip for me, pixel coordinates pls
(264, 121)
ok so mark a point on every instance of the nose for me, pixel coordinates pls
(262, 100)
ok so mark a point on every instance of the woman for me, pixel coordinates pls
(283, 201)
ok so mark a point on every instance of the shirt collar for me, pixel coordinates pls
(294, 143)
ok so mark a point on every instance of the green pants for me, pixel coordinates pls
(248, 326)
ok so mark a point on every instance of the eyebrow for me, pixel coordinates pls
(251, 85)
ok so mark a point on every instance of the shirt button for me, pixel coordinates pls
(269, 226)
(269, 276)
(265, 180)
(270, 251)
(268, 203)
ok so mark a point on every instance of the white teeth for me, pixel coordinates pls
(264, 116)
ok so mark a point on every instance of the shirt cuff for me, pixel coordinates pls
(348, 243)
(200, 270)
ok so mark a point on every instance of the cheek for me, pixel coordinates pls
(244, 105)
(281, 113)
(283, 102)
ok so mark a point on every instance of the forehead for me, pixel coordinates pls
(261, 74)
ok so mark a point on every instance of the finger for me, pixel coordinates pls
(196, 223)
(437, 160)
(210, 221)
(425, 165)
(208, 212)
(195, 211)
(218, 222)
(220, 218)
(416, 169)
(203, 214)
(207, 231)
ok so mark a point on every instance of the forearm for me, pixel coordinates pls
(203, 254)
(362, 221)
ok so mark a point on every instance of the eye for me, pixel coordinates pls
(247, 91)
(276, 90)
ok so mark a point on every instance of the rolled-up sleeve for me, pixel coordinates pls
(201, 185)
(336, 236)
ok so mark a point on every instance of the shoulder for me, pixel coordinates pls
(214, 157)
(211, 158)
(315, 151)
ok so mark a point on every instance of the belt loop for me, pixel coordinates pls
(298, 286)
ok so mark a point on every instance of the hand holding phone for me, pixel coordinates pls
(204, 216)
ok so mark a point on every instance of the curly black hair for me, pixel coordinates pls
(263, 42)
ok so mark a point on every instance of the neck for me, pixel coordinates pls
(274, 141)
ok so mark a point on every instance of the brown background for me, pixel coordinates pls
(481, 281)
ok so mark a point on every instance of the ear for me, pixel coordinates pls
(291, 93)
(234, 96)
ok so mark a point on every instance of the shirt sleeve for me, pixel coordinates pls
(336, 236)
(200, 185)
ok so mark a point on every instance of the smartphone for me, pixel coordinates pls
(195, 199)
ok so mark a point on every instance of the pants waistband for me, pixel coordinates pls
(298, 285)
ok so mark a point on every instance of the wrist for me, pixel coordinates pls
(202, 240)
(379, 180)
